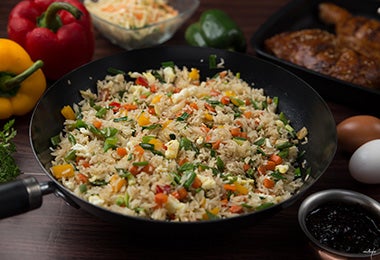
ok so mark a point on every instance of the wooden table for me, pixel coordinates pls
(58, 231)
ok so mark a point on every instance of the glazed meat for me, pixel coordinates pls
(359, 33)
(320, 51)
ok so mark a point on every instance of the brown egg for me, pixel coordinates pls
(357, 130)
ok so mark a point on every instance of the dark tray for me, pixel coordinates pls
(301, 14)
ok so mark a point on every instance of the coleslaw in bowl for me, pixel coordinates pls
(134, 24)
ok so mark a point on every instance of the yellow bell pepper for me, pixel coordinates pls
(22, 82)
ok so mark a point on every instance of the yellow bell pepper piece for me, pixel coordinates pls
(143, 119)
(22, 82)
(62, 171)
(194, 74)
(68, 113)
(117, 183)
(241, 189)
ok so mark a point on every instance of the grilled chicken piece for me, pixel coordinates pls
(359, 33)
(320, 51)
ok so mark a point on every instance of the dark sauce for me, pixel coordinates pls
(345, 227)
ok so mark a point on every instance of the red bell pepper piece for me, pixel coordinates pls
(59, 33)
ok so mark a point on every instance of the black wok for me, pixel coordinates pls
(302, 105)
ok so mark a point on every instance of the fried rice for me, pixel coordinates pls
(164, 144)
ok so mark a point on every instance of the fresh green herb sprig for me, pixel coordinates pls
(8, 167)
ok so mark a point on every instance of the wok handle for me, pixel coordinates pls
(21, 196)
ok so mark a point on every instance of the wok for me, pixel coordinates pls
(302, 105)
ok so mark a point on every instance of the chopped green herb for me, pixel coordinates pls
(212, 61)
(71, 138)
(167, 64)
(70, 156)
(183, 117)
(110, 143)
(265, 206)
(114, 71)
(55, 140)
(151, 127)
(143, 163)
(8, 167)
(98, 182)
(190, 177)
(220, 164)
(120, 119)
(260, 142)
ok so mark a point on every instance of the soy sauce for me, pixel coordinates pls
(345, 227)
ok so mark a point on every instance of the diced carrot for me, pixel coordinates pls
(244, 135)
(149, 169)
(134, 170)
(205, 129)
(209, 107)
(236, 209)
(248, 114)
(216, 144)
(161, 198)
(81, 178)
(109, 8)
(247, 102)
(225, 100)
(175, 194)
(97, 124)
(177, 90)
(193, 105)
(197, 183)
(230, 187)
(235, 131)
(180, 193)
(239, 123)
(223, 74)
(214, 93)
(139, 150)
(262, 170)
(130, 107)
(270, 165)
(85, 163)
(182, 161)
(151, 110)
(268, 183)
(121, 151)
(138, 16)
(208, 138)
(153, 88)
(276, 159)
(246, 167)
(224, 201)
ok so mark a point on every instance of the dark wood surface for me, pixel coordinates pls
(58, 231)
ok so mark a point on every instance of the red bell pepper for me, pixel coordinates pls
(58, 32)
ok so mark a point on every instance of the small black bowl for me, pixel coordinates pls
(333, 202)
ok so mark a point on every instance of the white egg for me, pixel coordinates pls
(364, 164)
